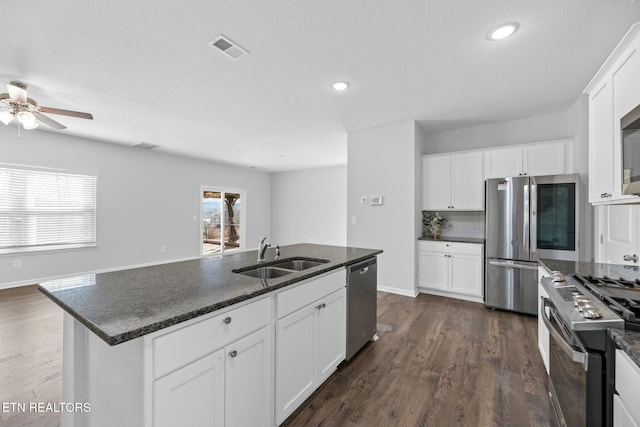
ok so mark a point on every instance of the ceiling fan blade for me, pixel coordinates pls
(65, 113)
(48, 121)
(17, 93)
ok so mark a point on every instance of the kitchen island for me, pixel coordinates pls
(194, 343)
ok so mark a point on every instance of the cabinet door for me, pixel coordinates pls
(543, 159)
(436, 182)
(191, 396)
(466, 274)
(543, 332)
(621, 416)
(620, 234)
(331, 333)
(296, 360)
(502, 162)
(625, 84)
(467, 182)
(601, 143)
(433, 270)
(248, 381)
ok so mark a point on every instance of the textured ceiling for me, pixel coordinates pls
(145, 70)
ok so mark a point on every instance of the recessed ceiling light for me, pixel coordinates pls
(340, 86)
(503, 31)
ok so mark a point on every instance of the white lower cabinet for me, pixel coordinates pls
(217, 389)
(626, 404)
(451, 269)
(193, 395)
(543, 332)
(310, 343)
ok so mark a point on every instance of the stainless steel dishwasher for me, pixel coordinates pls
(362, 283)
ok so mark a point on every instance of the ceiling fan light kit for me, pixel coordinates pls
(26, 110)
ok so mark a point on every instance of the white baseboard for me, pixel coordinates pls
(398, 291)
(451, 295)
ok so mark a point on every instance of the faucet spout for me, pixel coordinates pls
(262, 248)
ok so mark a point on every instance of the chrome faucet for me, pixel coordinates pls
(262, 248)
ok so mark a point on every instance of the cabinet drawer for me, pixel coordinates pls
(176, 349)
(627, 383)
(450, 247)
(294, 299)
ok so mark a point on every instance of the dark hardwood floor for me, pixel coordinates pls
(438, 362)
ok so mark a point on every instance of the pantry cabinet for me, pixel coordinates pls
(538, 159)
(451, 269)
(613, 92)
(453, 182)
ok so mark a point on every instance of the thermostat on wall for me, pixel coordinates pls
(376, 200)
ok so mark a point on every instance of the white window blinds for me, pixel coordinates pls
(45, 210)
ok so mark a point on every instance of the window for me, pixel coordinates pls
(221, 221)
(43, 210)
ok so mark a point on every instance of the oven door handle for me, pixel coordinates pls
(575, 355)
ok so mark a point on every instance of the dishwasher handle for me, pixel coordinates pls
(362, 267)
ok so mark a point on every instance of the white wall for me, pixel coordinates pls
(146, 199)
(309, 206)
(532, 129)
(383, 161)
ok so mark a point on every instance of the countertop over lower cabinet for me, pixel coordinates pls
(123, 305)
(459, 239)
(596, 269)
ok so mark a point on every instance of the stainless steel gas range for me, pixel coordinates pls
(577, 314)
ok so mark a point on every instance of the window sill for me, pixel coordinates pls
(49, 248)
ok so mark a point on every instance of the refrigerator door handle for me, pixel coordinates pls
(526, 221)
(533, 247)
(514, 265)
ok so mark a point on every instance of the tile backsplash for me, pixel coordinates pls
(459, 223)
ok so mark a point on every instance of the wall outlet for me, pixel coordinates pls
(17, 263)
(354, 219)
(162, 249)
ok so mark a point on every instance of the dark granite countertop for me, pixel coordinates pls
(122, 305)
(628, 341)
(460, 239)
(614, 271)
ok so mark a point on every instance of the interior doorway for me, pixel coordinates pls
(222, 221)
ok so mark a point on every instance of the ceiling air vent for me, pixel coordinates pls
(229, 48)
(146, 146)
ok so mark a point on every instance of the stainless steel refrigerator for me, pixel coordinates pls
(511, 271)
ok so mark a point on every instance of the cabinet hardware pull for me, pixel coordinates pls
(633, 258)
(233, 353)
(321, 306)
(226, 320)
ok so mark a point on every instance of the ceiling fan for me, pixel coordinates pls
(17, 105)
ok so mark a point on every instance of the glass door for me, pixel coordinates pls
(221, 222)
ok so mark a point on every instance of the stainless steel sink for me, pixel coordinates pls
(300, 264)
(279, 269)
(265, 272)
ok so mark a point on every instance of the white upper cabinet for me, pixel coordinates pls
(613, 92)
(601, 143)
(453, 182)
(528, 159)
